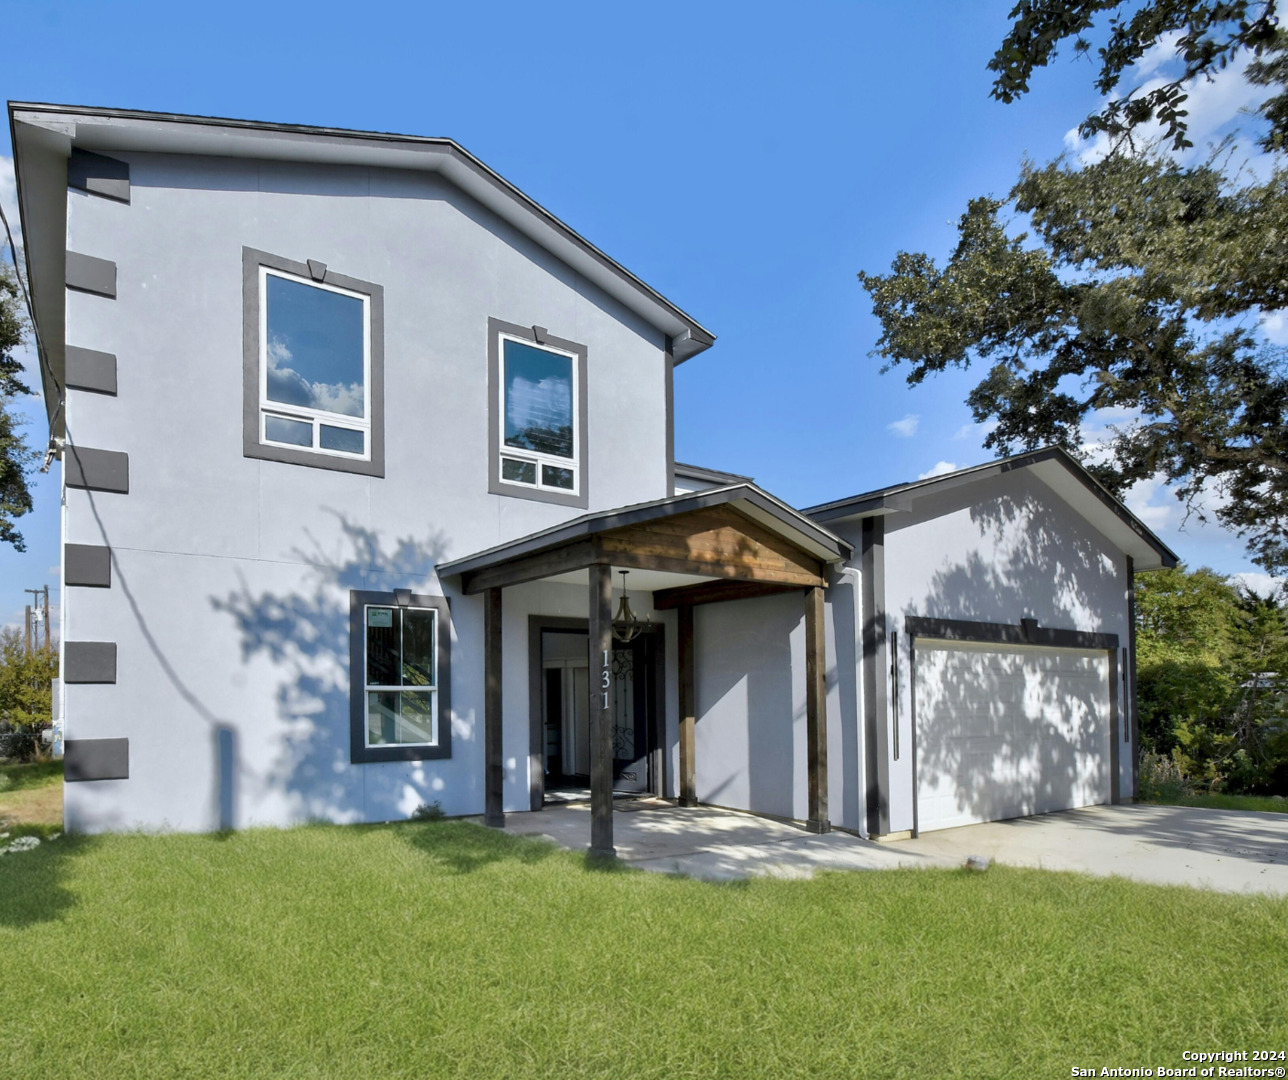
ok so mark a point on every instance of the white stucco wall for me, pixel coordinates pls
(750, 744)
(998, 550)
(229, 603)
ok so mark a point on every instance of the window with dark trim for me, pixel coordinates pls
(399, 676)
(313, 365)
(536, 415)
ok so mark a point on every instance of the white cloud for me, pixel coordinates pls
(1264, 585)
(289, 386)
(1274, 327)
(1214, 105)
(907, 427)
(940, 468)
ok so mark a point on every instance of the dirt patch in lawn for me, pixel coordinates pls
(32, 806)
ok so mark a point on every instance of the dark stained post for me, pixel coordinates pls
(599, 688)
(688, 709)
(816, 710)
(494, 774)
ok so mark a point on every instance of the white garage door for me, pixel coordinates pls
(1006, 731)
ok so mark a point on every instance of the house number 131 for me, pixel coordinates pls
(606, 679)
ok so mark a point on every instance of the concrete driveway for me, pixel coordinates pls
(1166, 845)
(1227, 850)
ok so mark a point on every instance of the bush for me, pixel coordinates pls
(1162, 779)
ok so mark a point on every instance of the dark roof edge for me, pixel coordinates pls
(700, 337)
(619, 517)
(697, 472)
(875, 500)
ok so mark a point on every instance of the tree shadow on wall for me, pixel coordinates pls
(304, 634)
(1005, 739)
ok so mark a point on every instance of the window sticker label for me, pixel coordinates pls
(380, 617)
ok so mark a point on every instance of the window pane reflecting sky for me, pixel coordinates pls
(314, 347)
(538, 399)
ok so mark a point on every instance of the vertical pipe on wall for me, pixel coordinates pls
(494, 773)
(599, 689)
(688, 707)
(816, 709)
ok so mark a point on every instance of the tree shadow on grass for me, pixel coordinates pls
(462, 847)
(33, 884)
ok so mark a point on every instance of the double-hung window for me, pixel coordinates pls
(316, 357)
(401, 674)
(538, 414)
(400, 665)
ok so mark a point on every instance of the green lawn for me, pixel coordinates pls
(444, 949)
(1260, 803)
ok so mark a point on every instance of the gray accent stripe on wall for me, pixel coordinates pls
(87, 564)
(89, 369)
(89, 661)
(99, 175)
(96, 759)
(97, 470)
(91, 275)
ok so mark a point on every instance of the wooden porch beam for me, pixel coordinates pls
(494, 774)
(543, 564)
(688, 707)
(816, 710)
(599, 713)
(715, 592)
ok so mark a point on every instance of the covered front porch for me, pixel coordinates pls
(728, 543)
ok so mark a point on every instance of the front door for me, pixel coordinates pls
(630, 700)
(566, 726)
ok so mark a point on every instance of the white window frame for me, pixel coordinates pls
(506, 451)
(315, 417)
(369, 688)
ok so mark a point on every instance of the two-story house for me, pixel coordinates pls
(361, 451)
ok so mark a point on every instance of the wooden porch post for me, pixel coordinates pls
(688, 711)
(816, 710)
(494, 774)
(599, 713)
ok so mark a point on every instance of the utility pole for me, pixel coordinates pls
(35, 598)
(48, 643)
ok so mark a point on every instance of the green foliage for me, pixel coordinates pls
(25, 692)
(1211, 34)
(16, 457)
(1125, 296)
(431, 811)
(1134, 287)
(1212, 683)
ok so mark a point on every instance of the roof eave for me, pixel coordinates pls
(105, 130)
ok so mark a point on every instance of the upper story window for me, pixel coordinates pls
(314, 366)
(537, 414)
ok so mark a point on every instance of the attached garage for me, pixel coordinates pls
(1008, 728)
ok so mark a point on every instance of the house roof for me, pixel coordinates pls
(752, 501)
(43, 136)
(1055, 467)
(710, 476)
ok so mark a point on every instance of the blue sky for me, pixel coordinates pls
(745, 159)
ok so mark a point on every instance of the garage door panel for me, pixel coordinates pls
(1008, 731)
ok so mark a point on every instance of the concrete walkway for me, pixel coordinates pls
(1169, 845)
